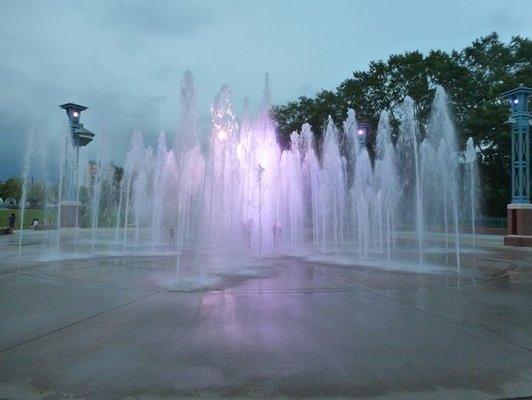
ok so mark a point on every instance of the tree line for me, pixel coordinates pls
(473, 77)
(41, 192)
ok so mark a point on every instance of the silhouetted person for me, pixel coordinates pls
(11, 221)
(248, 233)
(172, 236)
(276, 231)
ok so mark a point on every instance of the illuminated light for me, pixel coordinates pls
(222, 135)
(360, 132)
(516, 101)
(75, 114)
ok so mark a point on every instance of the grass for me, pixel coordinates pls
(29, 214)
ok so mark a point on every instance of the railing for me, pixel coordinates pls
(492, 222)
(483, 225)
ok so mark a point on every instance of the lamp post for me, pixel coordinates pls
(363, 129)
(520, 209)
(69, 208)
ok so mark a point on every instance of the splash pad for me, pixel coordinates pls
(223, 201)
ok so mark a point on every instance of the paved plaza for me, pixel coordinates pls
(107, 328)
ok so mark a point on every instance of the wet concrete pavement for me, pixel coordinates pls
(103, 328)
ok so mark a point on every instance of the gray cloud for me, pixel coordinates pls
(124, 58)
(154, 17)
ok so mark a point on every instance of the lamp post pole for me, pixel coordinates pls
(80, 137)
(520, 209)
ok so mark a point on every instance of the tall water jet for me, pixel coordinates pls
(130, 172)
(363, 199)
(191, 182)
(386, 180)
(442, 135)
(30, 140)
(141, 191)
(119, 207)
(100, 175)
(62, 172)
(312, 181)
(408, 149)
(291, 193)
(471, 184)
(350, 131)
(187, 135)
(332, 185)
(223, 165)
(159, 188)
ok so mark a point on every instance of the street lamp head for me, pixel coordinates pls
(73, 111)
(363, 130)
(518, 99)
(81, 136)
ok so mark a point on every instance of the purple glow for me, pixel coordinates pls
(237, 192)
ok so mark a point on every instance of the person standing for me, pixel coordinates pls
(248, 233)
(276, 231)
(11, 221)
(172, 236)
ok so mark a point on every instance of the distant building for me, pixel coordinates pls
(10, 202)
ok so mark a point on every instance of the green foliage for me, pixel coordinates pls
(39, 193)
(36, 194)
(11, 188)
(473, 77)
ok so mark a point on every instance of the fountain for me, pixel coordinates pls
(239, 194)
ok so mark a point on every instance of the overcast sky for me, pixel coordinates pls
(124, 59)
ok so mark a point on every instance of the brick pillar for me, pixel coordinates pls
(519, 225)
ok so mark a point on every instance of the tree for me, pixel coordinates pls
(11, 188)
(474, 78)
(37, 194)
